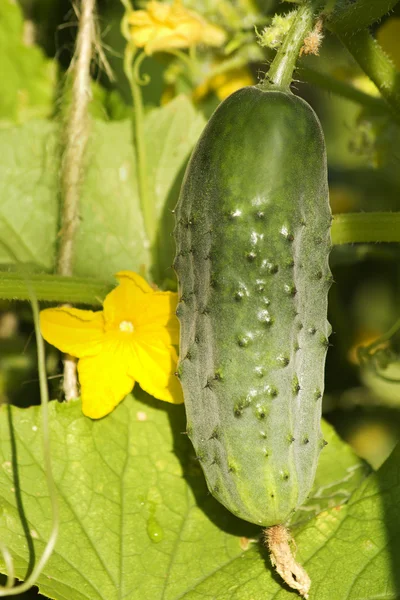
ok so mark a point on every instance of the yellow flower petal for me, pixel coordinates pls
(140, 18)
(165, 26)
(104, 379)
(169, 336)
(76, 332)
(224, 84)
(151, 313)
(126, 301)
(213, 36)
(159, 11)
(231, 81)
(159, 308)
(154, 369)
(165, 41)
(140, 37)
(137, 280)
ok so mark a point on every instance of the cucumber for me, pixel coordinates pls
(252, 240)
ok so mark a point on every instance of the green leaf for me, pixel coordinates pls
(137, 520)
(339, 474)
(111, 233)
(28, 194)
(171, 132)
(28, 78)
(110, 236)
(357, 548)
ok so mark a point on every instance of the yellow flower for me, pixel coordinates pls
(224, 84)
(169, 26)
(131, 339)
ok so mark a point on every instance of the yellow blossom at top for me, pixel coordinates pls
(170, 26)
(131, 339)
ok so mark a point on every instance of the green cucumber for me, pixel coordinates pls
(253, 238)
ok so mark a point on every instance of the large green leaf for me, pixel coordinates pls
(28, 78)
(110, 236)
(177, 125)
(111, 233)
(137, 521)
(171, 132)
(28, 193)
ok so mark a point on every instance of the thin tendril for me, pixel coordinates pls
(8, 590)
(146, 201)
(9, 566)
(140, 79)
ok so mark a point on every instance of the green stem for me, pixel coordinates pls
(341, 88)
(368, 227)
(280, 73)
(359, 15)
(53, 288)
(376, 64)
(146, 201)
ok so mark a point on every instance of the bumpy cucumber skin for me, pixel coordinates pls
(253, 238)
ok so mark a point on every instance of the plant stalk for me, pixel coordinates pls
(53, 288)
(359, 15)
(280, 73)
(377, 65)
(343, 89)
(370, 227)
(146, 201)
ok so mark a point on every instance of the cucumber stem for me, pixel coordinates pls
(372, 227)
(277, 539)
(280, 73)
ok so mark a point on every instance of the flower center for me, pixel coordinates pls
(126, 326)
